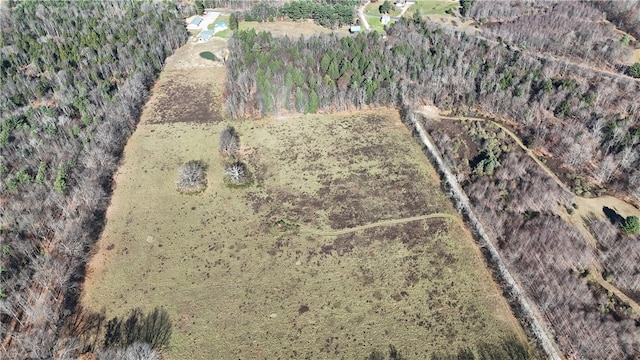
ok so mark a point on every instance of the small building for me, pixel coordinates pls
(195, 23)
(410, 2)
(205, 35)
(400, 2)
(385, 19)
(354, 29)
(220, 26)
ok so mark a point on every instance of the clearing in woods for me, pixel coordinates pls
(357, 266)
(292, 29)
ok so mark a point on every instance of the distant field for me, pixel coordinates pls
(374, 9)
(289, 28)
(236, 286)
(432, 7)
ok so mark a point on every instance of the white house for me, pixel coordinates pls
(385, 19)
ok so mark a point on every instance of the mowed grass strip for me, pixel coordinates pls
(237, 286)
(292, 29)
(432, 7)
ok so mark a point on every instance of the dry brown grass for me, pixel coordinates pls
(238, 287)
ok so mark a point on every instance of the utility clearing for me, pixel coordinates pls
(344, 243)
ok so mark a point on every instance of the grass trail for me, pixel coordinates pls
(377, 224)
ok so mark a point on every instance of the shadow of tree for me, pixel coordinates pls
(153, 328)
(612, 215)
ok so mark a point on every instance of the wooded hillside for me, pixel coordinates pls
(74, 78)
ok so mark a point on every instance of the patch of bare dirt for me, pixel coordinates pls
(186, 96)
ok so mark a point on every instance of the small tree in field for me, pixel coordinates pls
(385, 7)
(233, 22)
(237, 173)
(229, 141)
(191, 177)
(631, 225)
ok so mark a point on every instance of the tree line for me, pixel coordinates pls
(327, 13)
(74, 77)
(585, 116)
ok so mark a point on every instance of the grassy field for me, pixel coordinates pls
(338, 284)
(376, 24)
(432, 7)
(289, 28)
(374, 9)
(221, 18)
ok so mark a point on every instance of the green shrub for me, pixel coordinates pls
(631, 225)
(634, 70)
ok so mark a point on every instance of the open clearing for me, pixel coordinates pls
(292, 29)
(379, 255)
(432, 7)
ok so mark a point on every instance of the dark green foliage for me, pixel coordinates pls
(385, 7)
(199, 6)
(562, 109)
(634, 70)
(465, 5)
(486, 163)
(330, 14)
(233, 22)
(313, 102)
(630, 225)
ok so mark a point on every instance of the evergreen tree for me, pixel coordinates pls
(634, 70)
(385, 7)
(233, 22)
(313, 102)
(199, 7)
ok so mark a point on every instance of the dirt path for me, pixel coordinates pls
(363, 19)
(520, 144)
(586, 206)
(376, 224)
(596, 275)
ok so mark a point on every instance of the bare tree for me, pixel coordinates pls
(192, 177)
(135, 351)
(236, 173)
(229, 141)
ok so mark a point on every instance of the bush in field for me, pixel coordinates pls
(631, 225)
(229, 141)
(192, 177)
(634, 70)
(236, 173)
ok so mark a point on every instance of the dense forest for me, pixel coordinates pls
(74, 76)
(584, 118)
